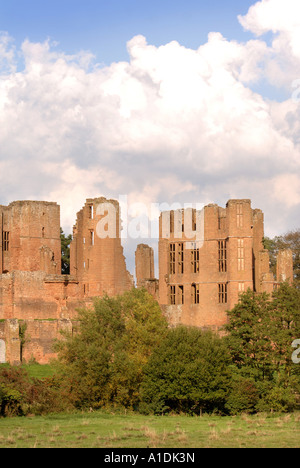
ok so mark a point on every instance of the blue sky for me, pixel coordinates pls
(201, 120)
(105, 26)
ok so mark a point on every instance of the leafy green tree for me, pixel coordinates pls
(249, 344)
(188, 372)
(103, 363)
(284, 325)
(65, 252)
(261, 330)
(243, 396)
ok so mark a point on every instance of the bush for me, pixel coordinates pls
(278, 400)
(243, 396)
(103, 363)
(20, 395)
(188, 372)
(10, 401)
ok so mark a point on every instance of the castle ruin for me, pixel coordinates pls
(200, 275)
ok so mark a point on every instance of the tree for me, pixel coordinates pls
(65, 252)
(284, 325)
(261, 330)
(104, 361)
(188, 372)
(248, 341)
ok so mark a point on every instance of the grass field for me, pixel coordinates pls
(36, 370)
(107, 430)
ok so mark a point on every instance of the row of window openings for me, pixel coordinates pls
(176, 293)
(195, 252)
(195, 257)
(172, 221)
(221, 220)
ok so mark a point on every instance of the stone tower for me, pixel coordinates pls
(30, 237)
(96, 253)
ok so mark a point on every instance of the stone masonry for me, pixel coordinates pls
(203, 269)
(206, 259)
(32, 289)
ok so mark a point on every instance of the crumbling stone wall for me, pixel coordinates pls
(206, 278)
(30, 237)
(33, 291)
(144, 270)
(197, 283)
(97, 259)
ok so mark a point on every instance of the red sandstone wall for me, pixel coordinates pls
(285, 266)
(32, 226)
(98, 262)
(40, 336)
(36, 295)
(144, 264)
(48, 302)
(235, 225)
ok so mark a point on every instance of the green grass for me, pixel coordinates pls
(39, 371)
(36, 370)
(106, 430)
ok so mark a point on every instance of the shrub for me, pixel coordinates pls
(278, 400)
(243, 396)
(103, 363)
(188, 372)
(20, 395)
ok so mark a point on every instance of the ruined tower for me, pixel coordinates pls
(30, 237)
(96, 253)
(144, 269)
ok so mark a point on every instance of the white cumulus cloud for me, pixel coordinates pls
(171, 124)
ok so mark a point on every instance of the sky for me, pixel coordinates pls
(151, 102)
(104, 27)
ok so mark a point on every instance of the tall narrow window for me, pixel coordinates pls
(92, 238)
(241, 287)
(180, 295)
(239, 214)
(172, 259)
(91, 211)
(180, 258)
(195, 294)
(5, 241)
(195, 259)
(172, 295)
(171, 221)
(222, 256)
(194, 220)
(241, 255)
(223, 293)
